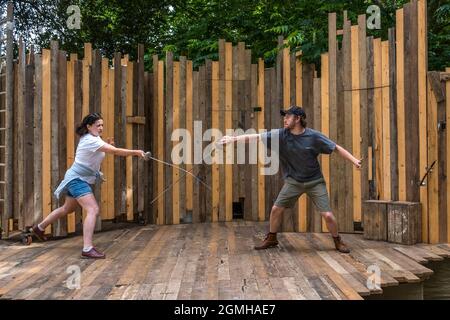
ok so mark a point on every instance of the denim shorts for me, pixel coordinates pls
(78, 188)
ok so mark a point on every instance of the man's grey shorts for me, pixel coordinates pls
(292, 190)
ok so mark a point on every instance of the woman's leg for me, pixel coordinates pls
(89, 204)
(69, 206)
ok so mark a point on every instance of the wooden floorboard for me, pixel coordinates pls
(209, 262)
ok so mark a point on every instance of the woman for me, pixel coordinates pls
(78, 179)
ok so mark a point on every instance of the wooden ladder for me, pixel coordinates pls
(6, 120)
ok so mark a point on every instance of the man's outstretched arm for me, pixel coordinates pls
(244, 137)
(348, 156)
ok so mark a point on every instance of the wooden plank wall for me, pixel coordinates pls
(437, 153)
(366, 95)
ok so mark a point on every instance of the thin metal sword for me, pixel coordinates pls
(148, 156)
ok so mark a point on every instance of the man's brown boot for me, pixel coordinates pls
(269, 241)
(340, 245)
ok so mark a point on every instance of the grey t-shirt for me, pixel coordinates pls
(298, 153)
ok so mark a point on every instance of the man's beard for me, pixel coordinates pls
(291, 126)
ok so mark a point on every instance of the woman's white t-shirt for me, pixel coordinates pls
(88, 155)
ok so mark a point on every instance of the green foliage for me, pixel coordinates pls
(192, 27)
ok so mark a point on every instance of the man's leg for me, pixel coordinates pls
(276, 216)
(319, 195)
(331, 222)
(332, 226)
(287, 197)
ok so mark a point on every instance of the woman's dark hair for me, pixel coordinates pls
(88, 120)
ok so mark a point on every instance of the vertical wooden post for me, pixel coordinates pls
(239, 103)
(190, 128)
(302, 202)
(288, 216)
(401, 104)
(142, 180)
(364, 114)
(86, 74)
(317, 112)
(87, 61)
(175, 126)
(268, 123)
(378, 124)
(412, 149)
(332, 81)
(108, 124)
(356, 120)
(250, 170)
(325, 121)
(222, 114)
(78, 105)
(197, 137)
(229, 149)
(28, 142)
(286, 77)
(118, 136)
(386, 138)
(201, 113)
(182, 125)
(54, 94)
(106, 133)
(38, 130)
(9, 106)
(169, 129)
(447, 109)
(215, 125)
(261, 125)
(433, 155)
(347, 209)
(422, 96)
(70, 118)
(46, 136)
(235, 113)
(393, 116)
(110, 182)
(129, 140)
(298, 78)
(61, 106)
(20, 124)
(206, 116)
(252, 119)
(160, 148)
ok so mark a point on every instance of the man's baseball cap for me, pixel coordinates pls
(298, 111)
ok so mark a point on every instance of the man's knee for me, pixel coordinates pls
(277, 209)
(328, 216)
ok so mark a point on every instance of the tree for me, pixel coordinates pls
(192, 27)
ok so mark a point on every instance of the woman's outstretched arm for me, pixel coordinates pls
(107, 148)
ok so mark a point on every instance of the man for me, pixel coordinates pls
(299, 148)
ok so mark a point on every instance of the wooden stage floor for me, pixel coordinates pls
(209, 261)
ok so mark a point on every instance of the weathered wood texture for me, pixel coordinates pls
(180, 262)
(371, 97)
